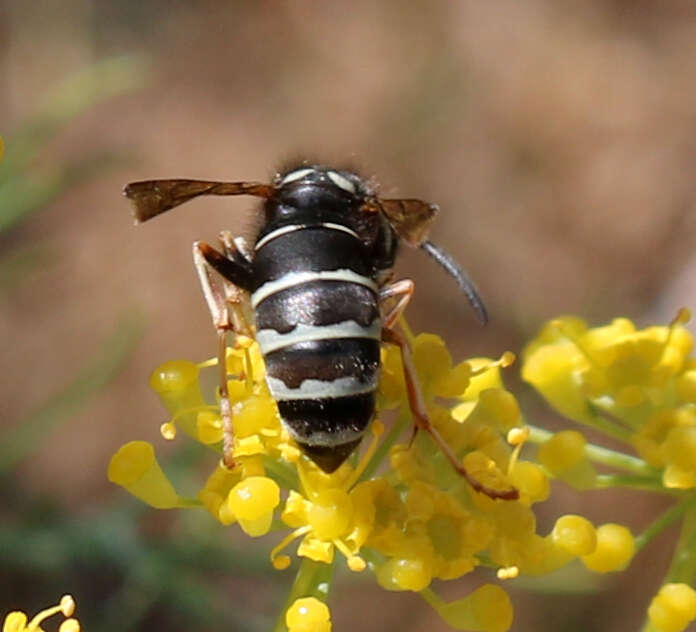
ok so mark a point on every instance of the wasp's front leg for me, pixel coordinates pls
(402, 292)
(226, 306)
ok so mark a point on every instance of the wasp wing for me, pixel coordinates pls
(153, 197)
(411, 219)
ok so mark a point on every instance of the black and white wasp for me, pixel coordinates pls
(319, 283)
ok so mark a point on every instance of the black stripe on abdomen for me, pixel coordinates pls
(326, 360)
(317, 303)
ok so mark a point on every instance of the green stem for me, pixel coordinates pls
(313, 579)
(385, 446)
(662, 522)
(682, 569)
(600, 454)
(683, 565)
(282, 474)
(610, 428)
(189, 503)
(646, 483)
(433, 600)
(619, 460)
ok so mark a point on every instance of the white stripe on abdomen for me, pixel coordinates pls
(291, 279)
(270, 340)
(320, 389)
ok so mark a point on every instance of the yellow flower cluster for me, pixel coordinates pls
(18, 621)
(636, 385)
(400, 508)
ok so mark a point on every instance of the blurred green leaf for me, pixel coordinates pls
(34, 191)
(175, 571)
(16, 267)
(25, 187)
(101, 81)
(28, 432)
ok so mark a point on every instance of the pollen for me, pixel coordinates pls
(517, 436)
(511, 572)
(356, 564)
(67, 605)
(168, 431)
(281, 562)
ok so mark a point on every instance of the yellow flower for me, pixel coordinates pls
(564, 457)
(17, 621)
(615, 368)
(135, 467)
(415, 522)
(251, 502)
(486, 609)
(332, 513)
(575, 534)
(455, 535)
(614, 550)
(308, 615)
(638, 386)
(673, 608)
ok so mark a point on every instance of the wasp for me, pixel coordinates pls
(319, 282)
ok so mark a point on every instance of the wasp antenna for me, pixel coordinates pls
(463, 281)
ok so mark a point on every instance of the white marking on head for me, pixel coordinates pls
(341, 181)
(295, 175)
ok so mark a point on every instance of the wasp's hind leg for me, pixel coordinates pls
(226, 305)
(402, 292)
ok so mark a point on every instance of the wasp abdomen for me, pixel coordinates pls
(319, 327)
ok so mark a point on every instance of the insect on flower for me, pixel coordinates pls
(318, 281)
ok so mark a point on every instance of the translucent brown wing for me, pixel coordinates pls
(152, 197)
(411, 219)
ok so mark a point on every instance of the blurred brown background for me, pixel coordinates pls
(558, 137)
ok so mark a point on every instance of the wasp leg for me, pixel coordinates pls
(226, 310)
(236, 250)
(404, 290)
(236, 247)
